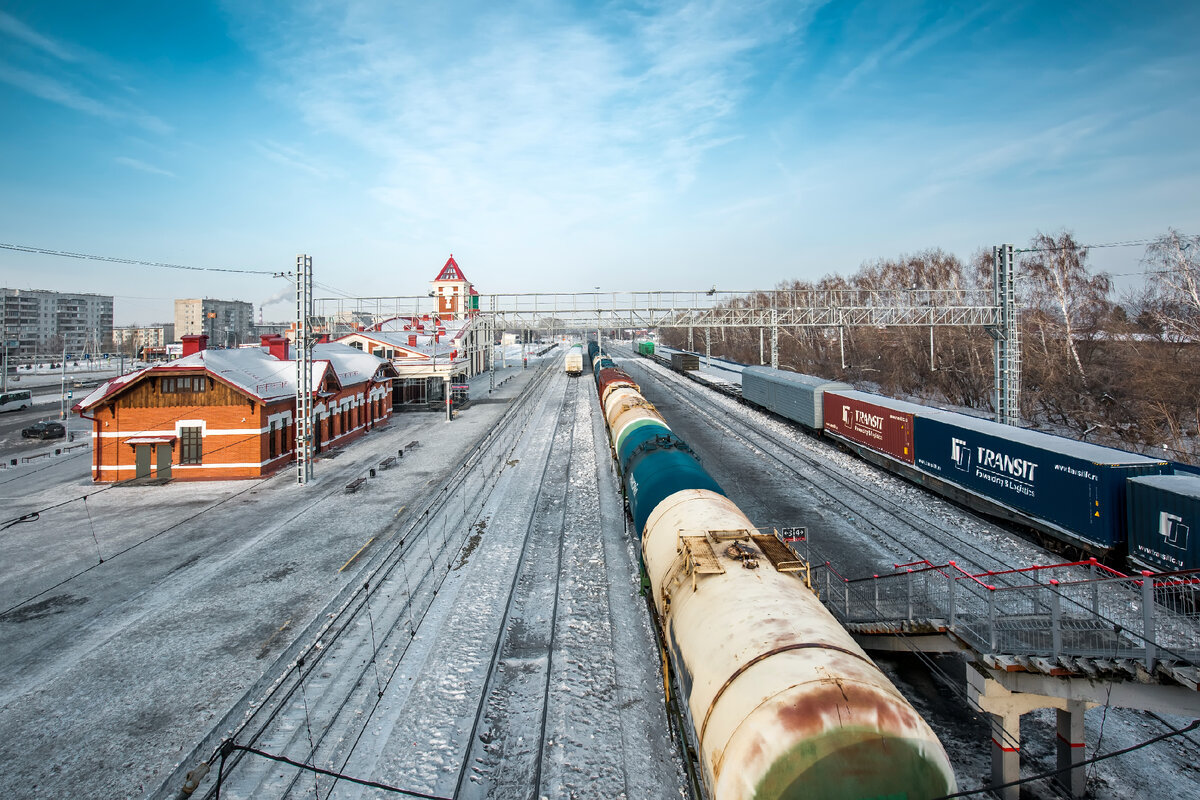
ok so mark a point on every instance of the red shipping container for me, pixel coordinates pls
(880, 423)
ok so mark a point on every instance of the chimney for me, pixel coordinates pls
(276, 345)
(194, 343)
(412, 340)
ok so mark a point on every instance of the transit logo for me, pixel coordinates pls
(1173, 531)
(960, 454)
(865, 420)
(1013, 474)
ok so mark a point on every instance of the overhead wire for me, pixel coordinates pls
(46, 251)
(1127, 243)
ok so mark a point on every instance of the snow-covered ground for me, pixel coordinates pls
(137, 624)
(132, 618)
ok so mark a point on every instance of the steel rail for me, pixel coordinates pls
(522, 564)
(918, 524)
(330, 625)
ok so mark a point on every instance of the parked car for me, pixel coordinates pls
(44, 430)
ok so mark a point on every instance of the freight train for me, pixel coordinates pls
(1098, 500)
(780, 700)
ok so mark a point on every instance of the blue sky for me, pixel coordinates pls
(562, 146)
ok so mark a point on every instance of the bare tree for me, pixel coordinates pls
(1173, 284)
(1067, 300)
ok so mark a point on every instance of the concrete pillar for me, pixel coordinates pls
(1006, 753)
(1071, 750)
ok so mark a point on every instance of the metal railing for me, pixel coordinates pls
(1080, 609)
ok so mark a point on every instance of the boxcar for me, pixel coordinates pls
(792, 395)
(1163, 521)
(880, 423)
(1075, 486)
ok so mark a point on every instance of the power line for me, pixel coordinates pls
(1127, 243)
(20, 248)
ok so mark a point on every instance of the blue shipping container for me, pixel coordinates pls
(1076, 486)
(1164, 521)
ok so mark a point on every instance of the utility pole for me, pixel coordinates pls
(304, 420)
(1007, 344)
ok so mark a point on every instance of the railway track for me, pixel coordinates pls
(483, 657)
(923, 535)
(339, 669)
(507, 738)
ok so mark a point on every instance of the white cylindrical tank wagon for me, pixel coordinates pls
(782, 701)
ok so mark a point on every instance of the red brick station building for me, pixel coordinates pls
(220, 414)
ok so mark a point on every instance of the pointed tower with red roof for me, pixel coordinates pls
(456, 298)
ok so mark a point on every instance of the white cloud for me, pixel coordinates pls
(525, 116)
(74, 77)
(142, 166)
(15, 28)
(291, 157)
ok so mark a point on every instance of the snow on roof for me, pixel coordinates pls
(1185, 485)
(107, 388)
(398, 340)
(352, 365)
(256, 372)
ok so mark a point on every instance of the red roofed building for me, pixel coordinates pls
(456, 298)
(219, 414)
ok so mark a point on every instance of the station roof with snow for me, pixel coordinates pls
(259, 371)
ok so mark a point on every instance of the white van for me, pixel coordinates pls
(16, 400)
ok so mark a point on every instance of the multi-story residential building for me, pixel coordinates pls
(132, 339)
(44, 322)
(226, 323)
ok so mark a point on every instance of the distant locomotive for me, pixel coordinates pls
(780, 699)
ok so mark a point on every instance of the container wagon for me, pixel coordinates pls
(791, 395)
(1163, 521)
(574, 360)
(780, 700)
(685, 362)
(646, 348)
(1076, 487)
(880, 423)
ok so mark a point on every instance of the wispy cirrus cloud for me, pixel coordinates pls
(142, 166)
(13, 27)
(66, 94)
(526, 111)
(291, 157)
(71, 76)
(912, 38)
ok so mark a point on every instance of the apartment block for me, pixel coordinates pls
(226, 323)
(132, 339)
(43, 322)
